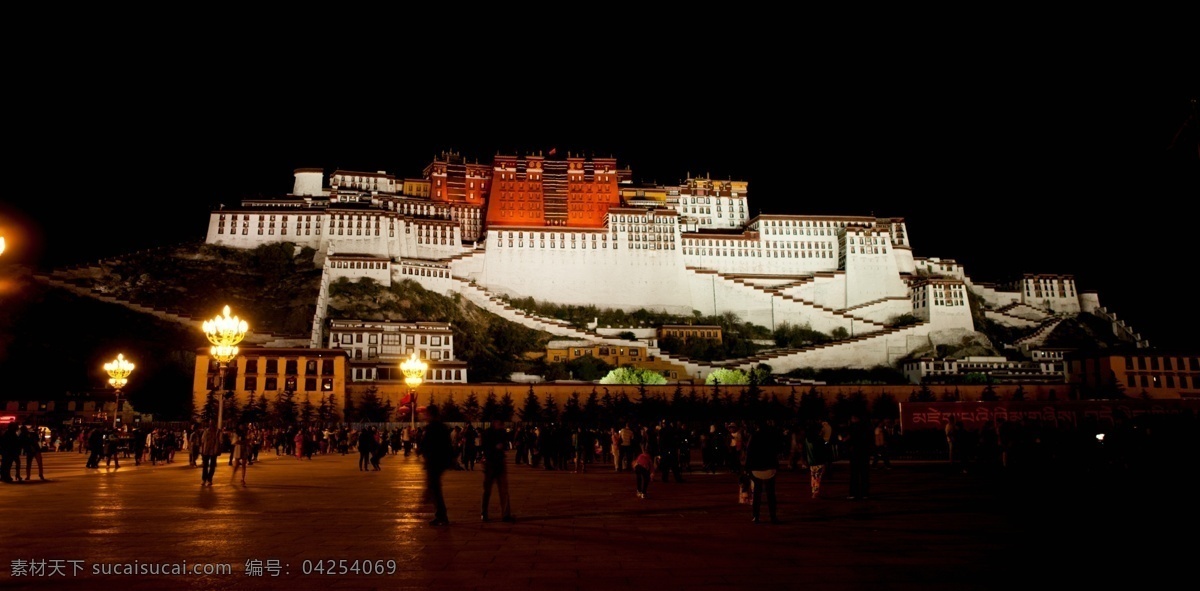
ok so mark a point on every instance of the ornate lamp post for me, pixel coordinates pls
(118, 374)
(224, 332)
(414, 374)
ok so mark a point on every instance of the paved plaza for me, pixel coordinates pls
(323, 524)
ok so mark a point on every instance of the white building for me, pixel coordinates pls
(676, 249)
(376, 349)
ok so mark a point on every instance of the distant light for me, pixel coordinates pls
(1100, 437)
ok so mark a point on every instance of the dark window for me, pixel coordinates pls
(251, 366)
(310, 384)
(290, 364)
(252, 383)
(327, 367)
(270, 384)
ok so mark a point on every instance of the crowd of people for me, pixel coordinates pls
(752, 452)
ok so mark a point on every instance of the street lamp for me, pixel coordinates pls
(118, 374)
(224, 332)
(414, 374)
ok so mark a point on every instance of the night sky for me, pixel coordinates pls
(1013, 170)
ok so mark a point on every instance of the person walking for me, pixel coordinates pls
(111, 457)
(95, 445)
(366, 444)
(761, 461)
(194, 443)
(240, 454)
(817, 454)
(495, 470)
(626, 453)
(210, 448)
(32, 448)
(469, 442)
(438, 453)
(642, 466)
(10, 453)
(883, 434)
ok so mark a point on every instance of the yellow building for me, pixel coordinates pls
(686, 332)
(1153, 374)
(634, 354)
(268, 371)
(562, 351)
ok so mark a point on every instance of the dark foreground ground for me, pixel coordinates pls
(306, 524)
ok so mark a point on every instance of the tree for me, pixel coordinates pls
(885, 406)
(812, 405)
(470, 408)
(307, 411)
(573, 410)
(491, 407)
(550, 409)
(451, 412)
(591, 408)
(323, 410)
(727, 377)
(250, 411)
(531, 410)
(506, 409)
(630, 375)
(370, 410)
(208, 412)
(331, 402)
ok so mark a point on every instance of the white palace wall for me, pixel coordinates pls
(823, 289)
(883, 349)
(608, 277)
(871, 277)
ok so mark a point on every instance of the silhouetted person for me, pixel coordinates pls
(495, 470)
(438, 452)
(762, 450)
(10, 452)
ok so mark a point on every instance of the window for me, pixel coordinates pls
(251, 366)
(270, 384)
(251, 383)
(436, 342)
(272, 366)
(310, 384)
(327, 385)
(290, 365)
(327, 367)
(310, 367)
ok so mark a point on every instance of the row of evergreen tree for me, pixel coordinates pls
(600, 407)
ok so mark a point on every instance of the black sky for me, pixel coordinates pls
(1012, 166)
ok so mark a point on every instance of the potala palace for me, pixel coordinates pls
(578, 231)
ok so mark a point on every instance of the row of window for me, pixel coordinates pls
(373, 353)
(433, 375)
(347, 338)
(358, 264)
(1168, 363)
(422, 272)
(1160, 381)
(271, 366)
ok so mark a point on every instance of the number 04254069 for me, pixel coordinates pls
(348, 567)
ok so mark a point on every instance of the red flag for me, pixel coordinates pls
(552, 151)
(406, 399)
